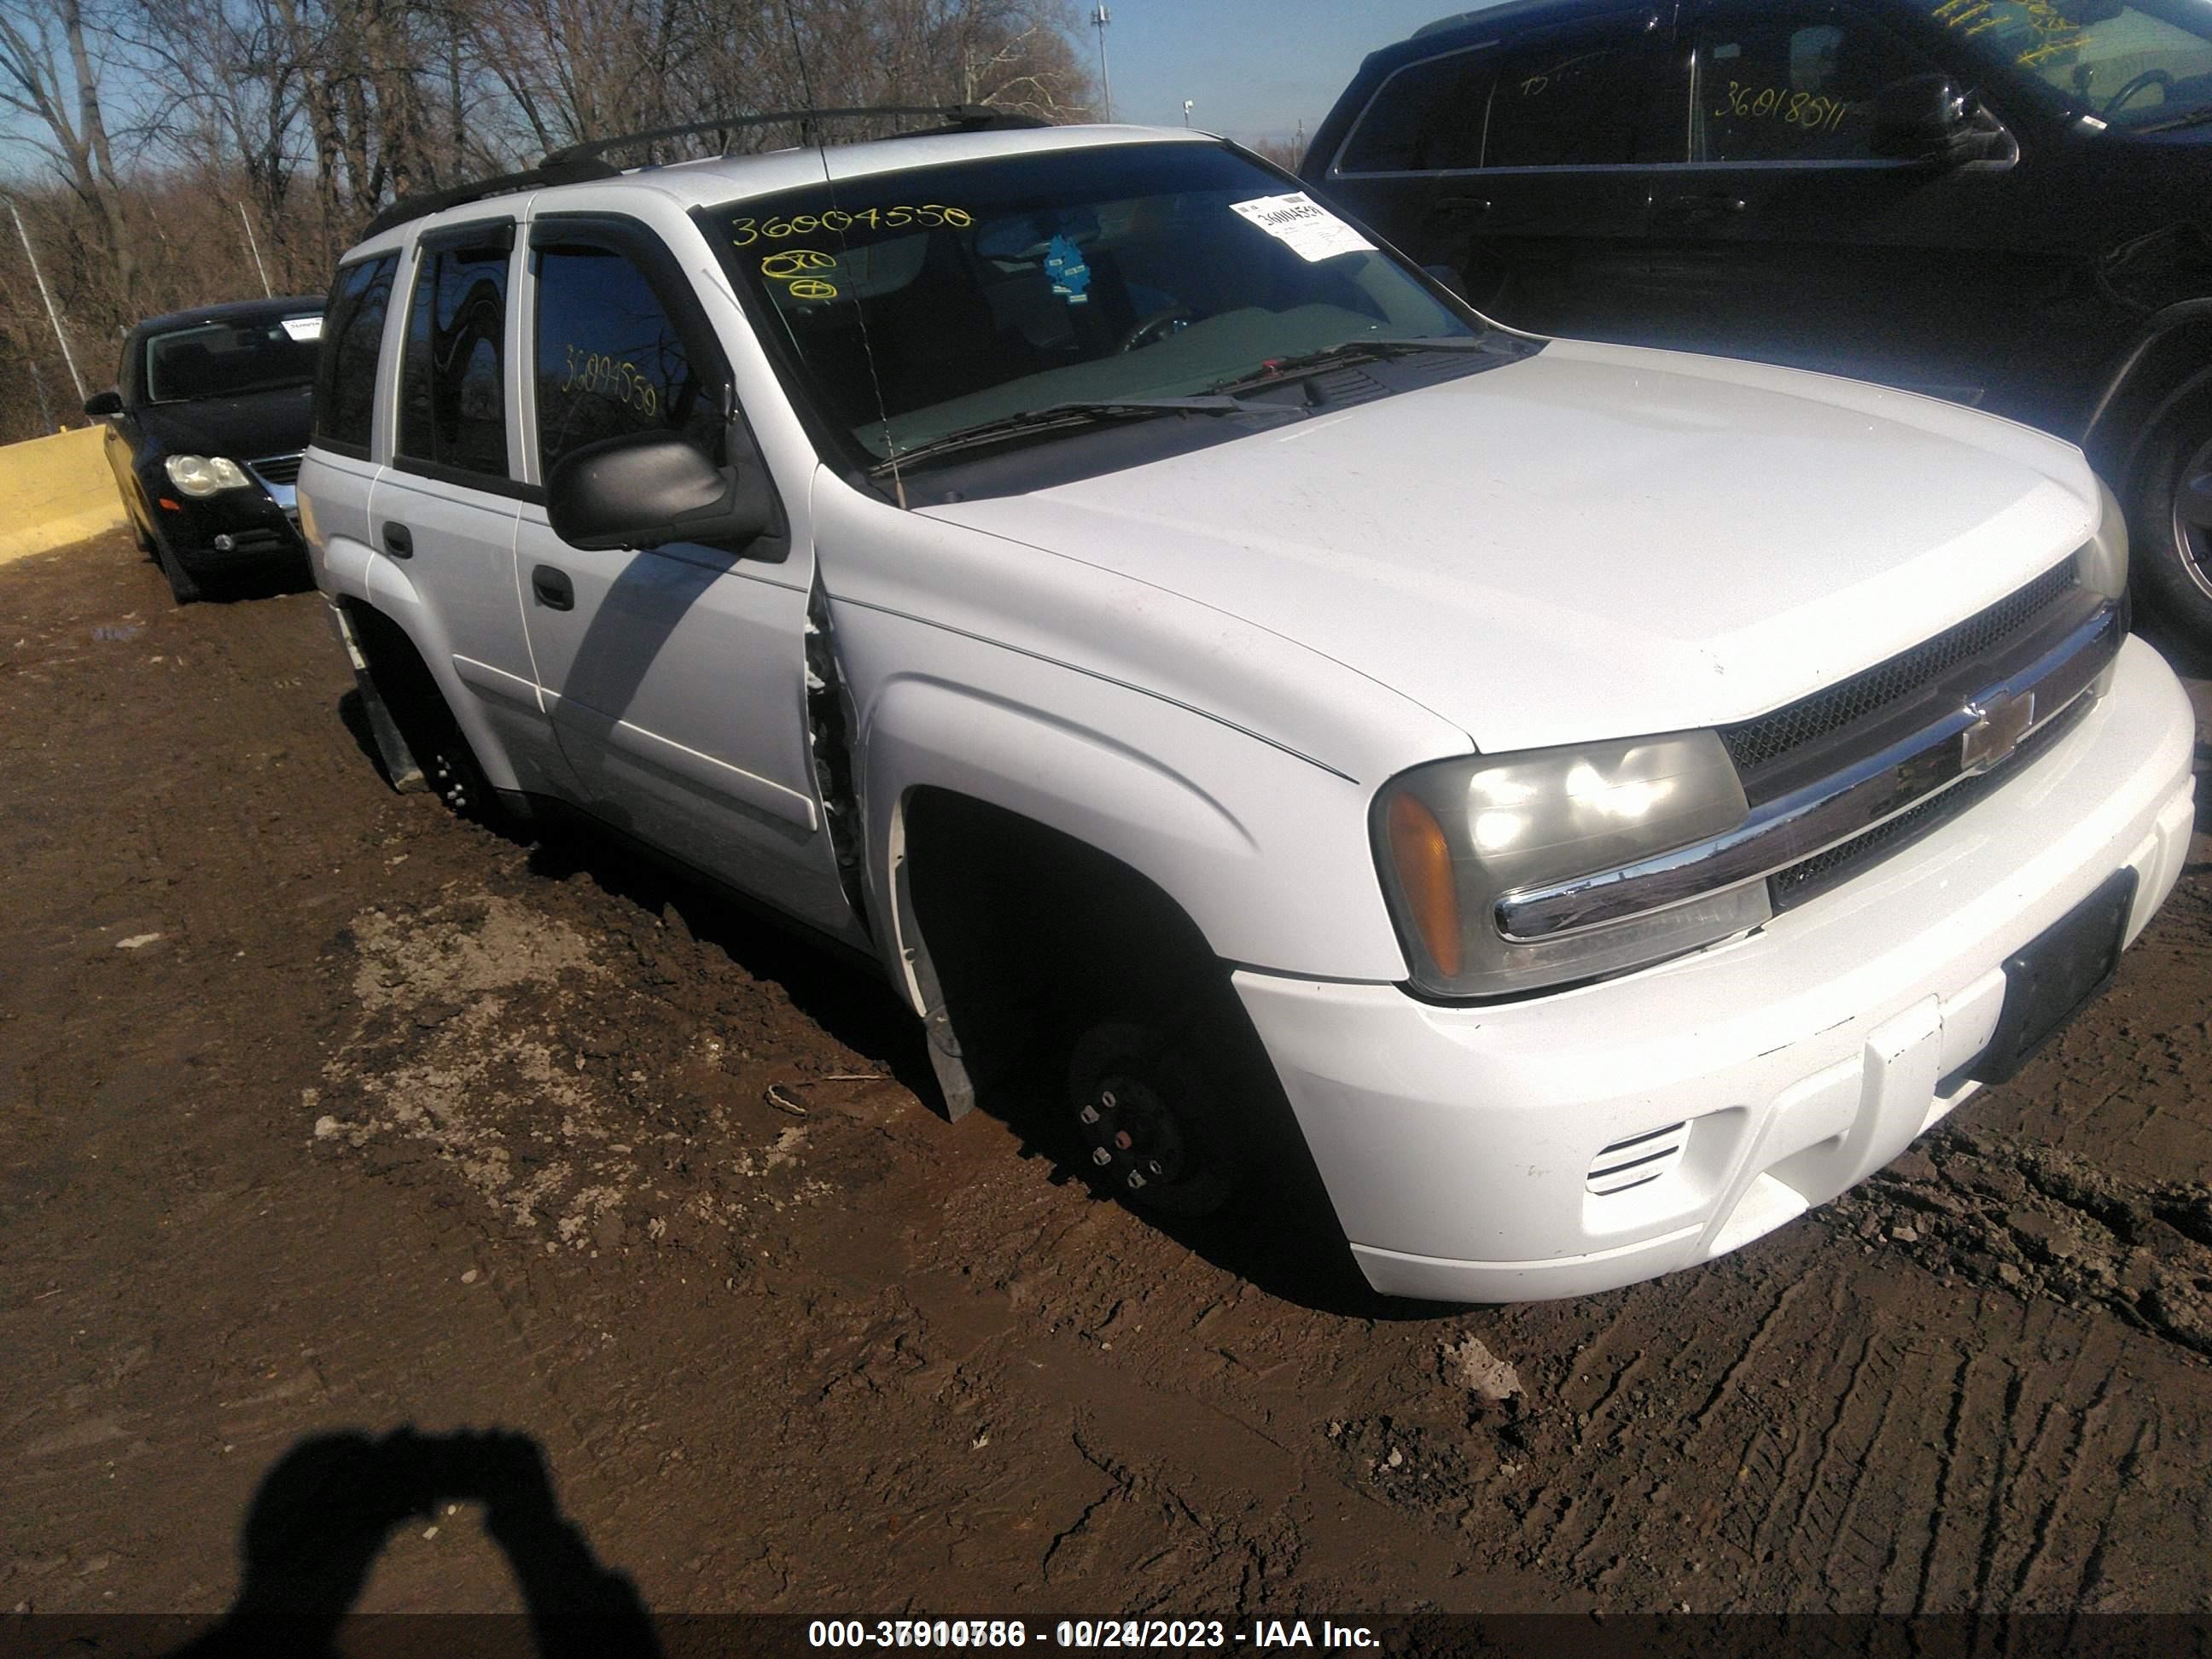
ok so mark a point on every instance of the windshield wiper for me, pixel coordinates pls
(1350, 352)
(1060, 417)
(2195, 118)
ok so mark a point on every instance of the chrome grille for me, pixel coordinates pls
(1833, 868)
(1757, 745)
(276, 468)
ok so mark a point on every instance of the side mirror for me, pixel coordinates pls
(101, 404)
(1925, 117)
(648, 488)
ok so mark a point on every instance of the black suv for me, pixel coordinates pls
(2004, 202)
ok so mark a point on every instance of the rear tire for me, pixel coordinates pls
(2172, 531)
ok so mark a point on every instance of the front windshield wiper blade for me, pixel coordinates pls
(2196, 118)
(1351, 351)
(1058, 417)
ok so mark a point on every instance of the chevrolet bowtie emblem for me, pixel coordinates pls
(1999, 725)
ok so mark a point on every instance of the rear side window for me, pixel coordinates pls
(1575, 101)
(611, 360)
(452, 395)
(345, 370)
(1427, 117)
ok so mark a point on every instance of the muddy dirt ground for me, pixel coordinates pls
(322, 1112)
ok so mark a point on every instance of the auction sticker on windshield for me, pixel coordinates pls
(1312, 231)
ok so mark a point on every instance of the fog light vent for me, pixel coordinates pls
(1638, 1161)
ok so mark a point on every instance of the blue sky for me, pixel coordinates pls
(1253, 68)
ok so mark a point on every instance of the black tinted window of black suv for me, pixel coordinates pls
(1427, 117)
(1790, 83)
(452, 402)
(346, 372)
(609, 359)
(1576, 101)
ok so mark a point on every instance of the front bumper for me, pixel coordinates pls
(258, 525)
(1750, 1081)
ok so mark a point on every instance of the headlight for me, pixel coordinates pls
(202, 475)
(1454, 838)
(2105, 560)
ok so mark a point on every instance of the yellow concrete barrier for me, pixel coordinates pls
(54, 491)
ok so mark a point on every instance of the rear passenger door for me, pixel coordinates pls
(676, 678)
(445, 510)
(1562, 204)
(1525, 162)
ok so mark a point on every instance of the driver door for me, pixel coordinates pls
(1784, 236)
(675, 676)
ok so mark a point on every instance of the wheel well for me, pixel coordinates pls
(2164, 373)
(1031, 934)
(396, 671)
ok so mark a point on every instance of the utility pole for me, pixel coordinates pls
(255, 242)
(1099, 18)
(53, 316)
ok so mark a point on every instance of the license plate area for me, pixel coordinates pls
(2055, 975)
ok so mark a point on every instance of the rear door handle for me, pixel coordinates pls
(553, 588)
(398, 542)
(1464, 207)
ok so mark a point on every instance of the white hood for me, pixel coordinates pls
(1596, 542)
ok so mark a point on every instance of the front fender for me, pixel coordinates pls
(1267, 853)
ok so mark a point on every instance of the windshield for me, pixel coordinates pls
(2133, 65)
(225, 360)
(920, 303)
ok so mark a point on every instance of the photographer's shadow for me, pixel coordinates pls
(325, 1511)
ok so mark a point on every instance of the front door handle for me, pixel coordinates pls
(398, 542)
(553, 588)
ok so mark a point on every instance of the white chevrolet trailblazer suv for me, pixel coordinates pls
(1584, 805)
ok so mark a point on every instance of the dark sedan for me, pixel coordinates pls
(205, 428)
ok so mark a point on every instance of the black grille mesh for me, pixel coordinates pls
(1753, 744)
(276, 468)
(1824, 870)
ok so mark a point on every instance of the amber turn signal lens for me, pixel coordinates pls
(1423, 858)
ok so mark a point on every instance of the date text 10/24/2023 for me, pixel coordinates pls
(1088, 1634)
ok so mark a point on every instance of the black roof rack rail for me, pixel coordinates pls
(573, 164)
(548, 172)
(956, 118)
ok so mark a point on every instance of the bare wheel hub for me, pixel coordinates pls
(1133, 1135)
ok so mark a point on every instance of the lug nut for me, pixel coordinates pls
(1153, 1165)
(1099, 1155)
(1121, 1139)
(1106, 1099)
(1088, 1114)
(1136, 1180)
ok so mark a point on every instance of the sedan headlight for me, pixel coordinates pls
(1454, 838)
(204, 475)
(2104, 564)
